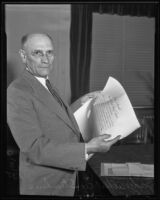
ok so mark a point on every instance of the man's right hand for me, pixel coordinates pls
(99, 144)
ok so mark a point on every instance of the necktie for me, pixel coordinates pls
(54, 93)
(60, 101)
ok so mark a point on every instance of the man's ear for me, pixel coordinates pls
(23, 55)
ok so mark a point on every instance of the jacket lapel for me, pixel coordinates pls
(70, 113)
(49, 101)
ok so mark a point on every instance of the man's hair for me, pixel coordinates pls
(25, 38)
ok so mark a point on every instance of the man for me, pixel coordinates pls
(44, 127)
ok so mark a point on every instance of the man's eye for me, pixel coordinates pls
(38, 53)
(50, 52)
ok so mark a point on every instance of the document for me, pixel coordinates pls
(110, 112)
(127, 169)
(117, 169)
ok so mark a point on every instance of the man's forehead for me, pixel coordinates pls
(39, 41)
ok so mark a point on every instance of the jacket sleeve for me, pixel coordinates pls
(37, 147)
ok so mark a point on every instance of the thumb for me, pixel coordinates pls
(105, 136)
(114, 140)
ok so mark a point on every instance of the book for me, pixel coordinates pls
(110, 112)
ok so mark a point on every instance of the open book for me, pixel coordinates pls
(110, 112)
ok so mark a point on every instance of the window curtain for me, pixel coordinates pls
(80, 49)
(132, 9)
(81, 37)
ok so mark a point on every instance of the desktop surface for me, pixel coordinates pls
(126, 185)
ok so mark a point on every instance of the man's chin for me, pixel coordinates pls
(42, 75)
(45, 73)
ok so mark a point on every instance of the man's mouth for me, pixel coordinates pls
(45, 67)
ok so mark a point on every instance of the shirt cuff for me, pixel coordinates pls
(86, 154)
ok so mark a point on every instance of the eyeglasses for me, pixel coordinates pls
(41, 54)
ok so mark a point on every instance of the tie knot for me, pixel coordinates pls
(49, 86)
(47, 81)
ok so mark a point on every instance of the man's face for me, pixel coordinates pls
(38, 55)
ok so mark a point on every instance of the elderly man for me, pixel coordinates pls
(43, 126)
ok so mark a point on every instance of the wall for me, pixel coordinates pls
(53, 19)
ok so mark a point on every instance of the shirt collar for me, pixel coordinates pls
(42, 80)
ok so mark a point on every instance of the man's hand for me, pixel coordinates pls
(98, 144)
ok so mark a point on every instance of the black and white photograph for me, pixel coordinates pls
(81, 99)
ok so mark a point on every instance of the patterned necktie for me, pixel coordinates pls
(54, 93)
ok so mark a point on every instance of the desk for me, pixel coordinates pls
(118, 186)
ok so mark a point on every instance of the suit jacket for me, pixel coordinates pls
(49, 140)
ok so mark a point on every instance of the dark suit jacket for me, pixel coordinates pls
(49, 140)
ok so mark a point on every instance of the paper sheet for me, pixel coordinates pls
(127, 169)
(110, 112)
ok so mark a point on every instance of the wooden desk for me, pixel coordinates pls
(126, 186)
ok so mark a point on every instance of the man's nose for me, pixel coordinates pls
(45, 59)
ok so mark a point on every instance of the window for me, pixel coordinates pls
(123, 47)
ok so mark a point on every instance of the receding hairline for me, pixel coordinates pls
(28, 36)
